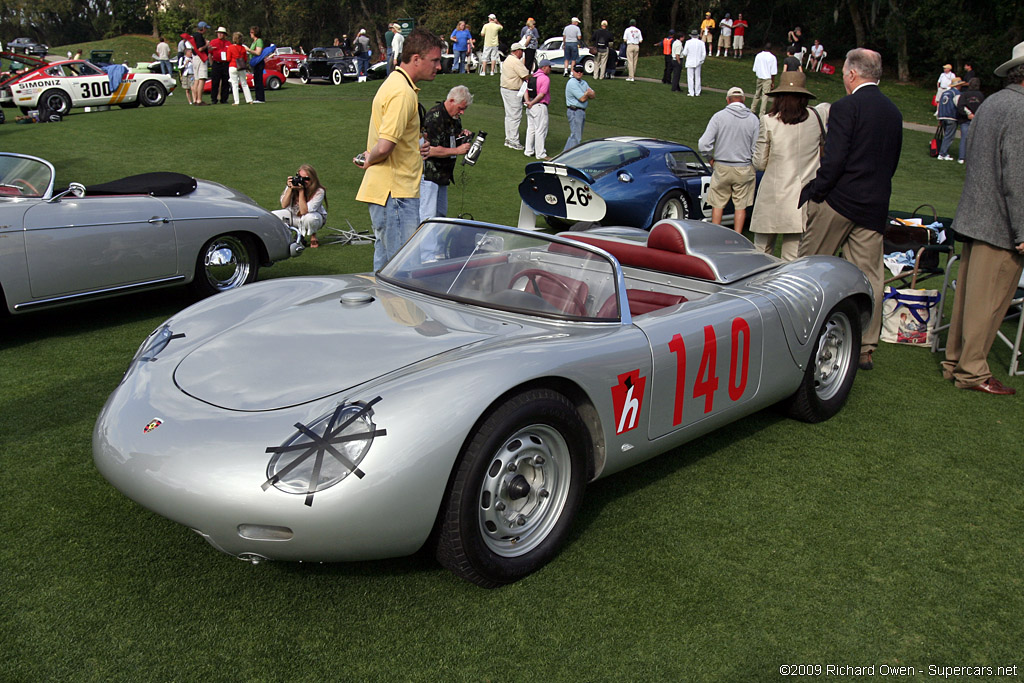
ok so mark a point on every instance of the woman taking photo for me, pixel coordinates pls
(788, 151)
(304, 203)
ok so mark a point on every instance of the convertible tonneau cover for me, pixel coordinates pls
(159, 184)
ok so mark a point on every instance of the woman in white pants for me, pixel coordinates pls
(238, 54)
(304, 203)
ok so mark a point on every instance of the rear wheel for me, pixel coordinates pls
(674, 205)
(515, 490)
(56, 101)
(273, 83)
(304, 76)
(589, 67)
(152, 93)
(336, 78)
(832, 367)
(225, 262)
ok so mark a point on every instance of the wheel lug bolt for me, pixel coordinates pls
(511, 467)
(521, 520)
(538, 460)
(499, 506)
(544, 493)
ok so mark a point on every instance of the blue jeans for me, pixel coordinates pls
(165, 67)
(388, 55)
(576, 120)
(364, 63)
(459, 65)
(393, 224)
(948, 133)
(963, 138)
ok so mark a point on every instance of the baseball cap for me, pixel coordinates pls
(202, 24)
(516, 46)
(491, 16)
(546, 62)
(575, 20)
(735, 92)
(578, 68)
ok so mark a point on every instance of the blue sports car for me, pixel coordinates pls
(626, 181)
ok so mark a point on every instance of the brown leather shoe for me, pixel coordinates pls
(994, 386)
(865, 362)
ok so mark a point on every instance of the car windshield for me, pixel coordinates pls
(601, 157)
(333, 52)
(507, 269)
(23, 176)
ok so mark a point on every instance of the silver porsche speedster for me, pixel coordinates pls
(61, 246)
(465, 394)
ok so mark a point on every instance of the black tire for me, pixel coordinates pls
(674, 204)
(152, 93)
(56, 101)
(224, 263)
(515, 490)
(304, 76)
(273, 83)
(336, 77)
(831, 368)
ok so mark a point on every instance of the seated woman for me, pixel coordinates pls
(304, 203)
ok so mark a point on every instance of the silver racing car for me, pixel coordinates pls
(466, 393)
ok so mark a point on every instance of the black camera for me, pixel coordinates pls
(297, 180)
(463, 139)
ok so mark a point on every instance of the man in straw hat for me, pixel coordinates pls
(991, 215)
(850, 193)
(729, 141)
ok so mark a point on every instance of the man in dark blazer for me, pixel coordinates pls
(850, 194)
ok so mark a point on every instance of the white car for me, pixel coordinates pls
(78, 83)
(552, 49)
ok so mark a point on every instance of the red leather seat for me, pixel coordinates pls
(640, 302)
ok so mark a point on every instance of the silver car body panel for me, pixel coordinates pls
(192, 427)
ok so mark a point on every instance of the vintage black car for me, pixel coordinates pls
(27, 46)
(325, 63)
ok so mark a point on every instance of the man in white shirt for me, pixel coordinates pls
(632, 37)
(724, 35)
(766, 67)
(571, 36)
(677, 63)
(694, 54)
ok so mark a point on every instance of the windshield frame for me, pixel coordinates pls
(46, 193)
(623, 318)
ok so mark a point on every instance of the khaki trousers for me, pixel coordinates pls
(828, 232)
(632, 55)
(986, 283)
(764, 86)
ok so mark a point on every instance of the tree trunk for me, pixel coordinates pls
(673, 15)
(588, 18)
(902, 56)
(857, 17)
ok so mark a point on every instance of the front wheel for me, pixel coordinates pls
(336, 78)
(515, 490)
(304, 76)
(589, 67)
(832, 367)
(285, 71)
(152, 94)
(674, 205)
(225, 262)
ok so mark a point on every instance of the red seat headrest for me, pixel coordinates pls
(668, 237)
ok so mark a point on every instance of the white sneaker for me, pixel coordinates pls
(959, 161)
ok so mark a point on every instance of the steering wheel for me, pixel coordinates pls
(27, 184)
(534, 276)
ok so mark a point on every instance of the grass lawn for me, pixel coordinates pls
(889, 535)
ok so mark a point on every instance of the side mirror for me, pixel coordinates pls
(74, 189)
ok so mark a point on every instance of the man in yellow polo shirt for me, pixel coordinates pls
(393, 160)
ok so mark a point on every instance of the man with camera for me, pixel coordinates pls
(442, 126)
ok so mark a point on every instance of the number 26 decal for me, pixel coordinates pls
(706, 382)
(579, 195)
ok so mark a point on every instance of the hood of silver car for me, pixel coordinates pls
(307, 351)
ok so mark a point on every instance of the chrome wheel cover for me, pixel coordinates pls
(833, 357)
(227, 263)
(524, 491)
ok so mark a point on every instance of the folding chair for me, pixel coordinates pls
(902, 236)
(1016, 367)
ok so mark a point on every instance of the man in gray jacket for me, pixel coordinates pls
(991, 216)
(729, 142)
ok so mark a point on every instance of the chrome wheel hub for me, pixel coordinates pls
(524, 491)
(833, 358)
(227, 263)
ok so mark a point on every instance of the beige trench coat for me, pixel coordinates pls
(788, 155)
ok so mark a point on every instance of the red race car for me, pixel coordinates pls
(272, 80)
(285, 60)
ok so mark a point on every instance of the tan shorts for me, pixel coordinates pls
(737, 42)
(731, 182)
(198, 68)
(724, 41)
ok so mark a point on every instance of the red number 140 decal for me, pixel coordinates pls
(706, 383)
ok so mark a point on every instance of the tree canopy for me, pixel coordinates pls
(915, 38)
